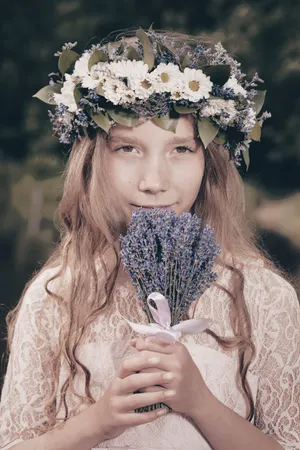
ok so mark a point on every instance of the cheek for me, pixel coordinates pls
(122, 176)
(191, 178)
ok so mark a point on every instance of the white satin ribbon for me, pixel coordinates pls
(162, 327)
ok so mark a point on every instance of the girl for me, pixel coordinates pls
(156, 120)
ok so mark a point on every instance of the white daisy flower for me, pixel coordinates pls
(232, 83)
(81, 66)
(218, 106)
(117, 92)
(137, 76)
(128, 96)
(165, 77)
(196, 85)
(177, 93)
(129, 69)
(98, 74)
(90, 79)
(142, 87)
(66, 97)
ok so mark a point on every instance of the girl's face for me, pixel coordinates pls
(151, 167)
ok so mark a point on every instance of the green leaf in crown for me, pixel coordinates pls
(207, 130)
(77, 95)
(96, 57)
(167, 122)
(66, 59)
(148, 53)
(259, 101)
(220, 139)
(186, 61)
(256, 132)
(132, 54)
(102, 120)
(246, 157)
(123, 117)
(219, 74)
(184, 109)
(46, 93)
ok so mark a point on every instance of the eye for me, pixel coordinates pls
(126, 149)
(184, 149)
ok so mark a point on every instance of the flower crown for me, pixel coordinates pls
(119, 83)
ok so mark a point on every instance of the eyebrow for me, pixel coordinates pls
(175, 140)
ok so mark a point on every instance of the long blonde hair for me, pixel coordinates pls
(91, 225)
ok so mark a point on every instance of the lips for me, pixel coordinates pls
(154, 206)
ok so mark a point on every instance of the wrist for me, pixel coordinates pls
(96, 427)
(205, 404)
(232, 430)
(77, 433)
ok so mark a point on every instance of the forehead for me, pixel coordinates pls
(149, 130)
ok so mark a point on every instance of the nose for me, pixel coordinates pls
(155, 176)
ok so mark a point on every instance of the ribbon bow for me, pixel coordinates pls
(162, 327)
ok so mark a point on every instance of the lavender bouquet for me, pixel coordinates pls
(170, 262)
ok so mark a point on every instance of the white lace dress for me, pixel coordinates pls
(274, 376)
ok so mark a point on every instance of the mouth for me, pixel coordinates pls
(154, 206)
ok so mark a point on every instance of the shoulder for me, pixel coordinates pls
(44, 294)
(39, 316)
(260, 281)
(264, 283)
(272, 303)
(49, 278)
(267, 293)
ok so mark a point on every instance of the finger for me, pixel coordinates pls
(134, 419)
(152, 344)
(144, 360)
(150, 369)
(156, 340)
(133, 342)
(155, 388)
(140, 400)
(138, 381)
(139, 344)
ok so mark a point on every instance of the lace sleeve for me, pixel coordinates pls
(278, 399)
(30, 373)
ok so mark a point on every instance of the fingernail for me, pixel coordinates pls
(169, 394)
(153, 360)
(168, 376)
(162, 412)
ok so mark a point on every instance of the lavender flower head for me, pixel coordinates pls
(170, 254)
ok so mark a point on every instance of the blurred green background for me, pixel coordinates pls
(263, 34)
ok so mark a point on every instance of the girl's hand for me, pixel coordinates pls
(191, 392)
(115, 410)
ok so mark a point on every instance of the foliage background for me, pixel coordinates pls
(263, 34)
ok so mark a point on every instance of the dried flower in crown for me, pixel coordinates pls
(118, 82)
